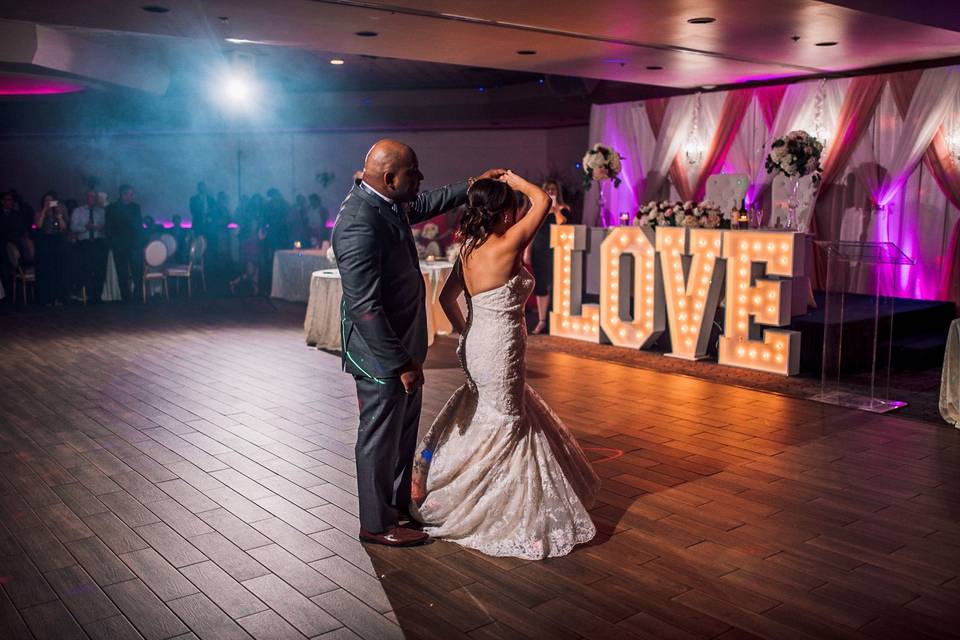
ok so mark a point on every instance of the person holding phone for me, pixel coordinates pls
(51, 228)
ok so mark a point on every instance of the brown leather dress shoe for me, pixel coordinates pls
(395, 537)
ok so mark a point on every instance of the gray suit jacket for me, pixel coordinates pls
(382, 316)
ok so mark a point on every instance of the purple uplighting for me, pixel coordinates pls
(19, 85)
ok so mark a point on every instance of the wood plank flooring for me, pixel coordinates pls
(188, 473)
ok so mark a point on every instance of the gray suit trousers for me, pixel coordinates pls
(386, 440)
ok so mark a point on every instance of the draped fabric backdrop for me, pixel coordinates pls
(888, 173)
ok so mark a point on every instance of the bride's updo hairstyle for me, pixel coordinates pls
(487, 201)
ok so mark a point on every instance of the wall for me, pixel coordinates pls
(165, 167)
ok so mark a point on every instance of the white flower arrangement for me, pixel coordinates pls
(600, 162)
(795, 154)
(704, 215)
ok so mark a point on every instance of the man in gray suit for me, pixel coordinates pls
(384, 327)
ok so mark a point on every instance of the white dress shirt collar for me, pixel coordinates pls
(364, 183)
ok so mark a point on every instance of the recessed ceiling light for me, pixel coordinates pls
(155, 8)
(708, 87)
(702, 20)
(336, 61)
(223, 18)
(828, 43)
(367, 34)
(526, 52)
(654, 67)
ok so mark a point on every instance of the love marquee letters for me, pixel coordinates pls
(675, 277)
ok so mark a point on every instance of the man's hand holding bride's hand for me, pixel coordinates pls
(491, 174)
(411, 376)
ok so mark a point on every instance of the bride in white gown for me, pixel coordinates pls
(498, 471)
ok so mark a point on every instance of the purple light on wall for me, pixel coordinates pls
(233, 225)
(18, 85)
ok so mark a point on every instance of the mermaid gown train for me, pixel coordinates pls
(497, 471)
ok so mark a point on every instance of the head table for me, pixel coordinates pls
(322, 323)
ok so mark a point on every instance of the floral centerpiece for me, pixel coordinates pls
(795, 155)
(705, 215)
(600, 162)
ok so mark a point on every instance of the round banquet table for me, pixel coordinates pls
(292, 271)
(322, 323)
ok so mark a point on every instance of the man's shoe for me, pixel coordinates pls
(396, 537)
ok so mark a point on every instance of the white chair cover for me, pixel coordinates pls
(727, 190)
(155, 253)
(170, 243)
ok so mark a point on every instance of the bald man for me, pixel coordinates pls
(384, 327)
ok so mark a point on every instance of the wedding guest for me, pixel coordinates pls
(124, 223)
(51, 223)
(182, 236)
(539, 255)
(88, 226)
(202, 207)
(298, 219)
(317, 217)
(12, 230)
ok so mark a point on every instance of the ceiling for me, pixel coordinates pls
(612, 40)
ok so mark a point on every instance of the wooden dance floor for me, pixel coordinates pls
(189, 473)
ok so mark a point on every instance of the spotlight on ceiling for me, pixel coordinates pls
(702, 20)
(238, 88)
(654, 67)
(828, 43)
(155, 8)
(367, 34)
(526, 52)
(336, 62)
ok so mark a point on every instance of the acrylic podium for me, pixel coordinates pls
(857, 338)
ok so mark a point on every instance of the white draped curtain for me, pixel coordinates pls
(883, 193)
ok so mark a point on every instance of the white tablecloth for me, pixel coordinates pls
(292, 271)
(950, 379)
(111, 284)
(322, 323)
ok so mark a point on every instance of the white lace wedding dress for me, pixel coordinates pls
(497, 471)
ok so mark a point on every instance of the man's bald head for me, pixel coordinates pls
(391, 168)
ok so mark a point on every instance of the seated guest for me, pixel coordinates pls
(51, 223)
(88, 226)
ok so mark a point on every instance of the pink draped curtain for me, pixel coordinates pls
(731, 116)
(769, 99)
(944, 169)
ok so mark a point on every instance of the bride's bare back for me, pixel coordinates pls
(498, 259)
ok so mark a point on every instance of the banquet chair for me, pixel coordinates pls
(727, 191)
(21, 275)
(170, 243)
(154, 255)
(186, 270)
(199, 264)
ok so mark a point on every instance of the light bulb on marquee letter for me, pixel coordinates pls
(691, 300)
(570, 318)
(647, 321)
(767, 301)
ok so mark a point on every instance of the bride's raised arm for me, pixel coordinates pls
(521, 233)
(450, 296)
